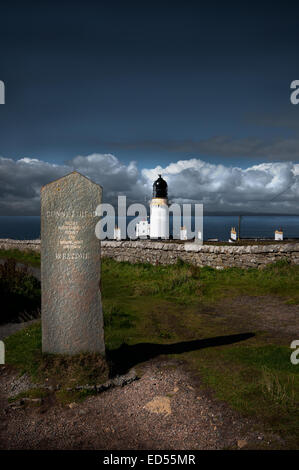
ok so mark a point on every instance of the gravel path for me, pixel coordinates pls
(164, 409)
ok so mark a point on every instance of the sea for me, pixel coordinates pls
(214, 226)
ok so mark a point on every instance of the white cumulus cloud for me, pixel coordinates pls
(268, 187)
(264, 188)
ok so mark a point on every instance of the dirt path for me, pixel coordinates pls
(164, 409)
(11, 328)
(260, 313)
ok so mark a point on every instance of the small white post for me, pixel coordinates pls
(183, 233)
(233, 234)
(278, 235)
(117, 233)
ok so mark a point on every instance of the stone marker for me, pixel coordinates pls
(72, 318)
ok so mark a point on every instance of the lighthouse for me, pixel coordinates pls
(159, 219)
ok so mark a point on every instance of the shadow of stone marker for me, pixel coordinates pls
(72, 318)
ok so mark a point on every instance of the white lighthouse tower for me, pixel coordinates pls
(159, 220)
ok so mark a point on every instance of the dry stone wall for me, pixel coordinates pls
(200, 255)
(23, 245)
(219, 257)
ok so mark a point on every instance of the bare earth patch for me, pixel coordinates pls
(262, 313)
(160, 405)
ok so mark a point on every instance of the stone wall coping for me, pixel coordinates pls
(12, 241)
(187, 247)
(195, 247)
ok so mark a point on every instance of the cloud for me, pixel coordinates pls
(228, 147)
(264, 188)
(115, 177)
(21, 180)
(20, 183)
(282, 118)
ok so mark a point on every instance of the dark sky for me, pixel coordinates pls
(154, 82)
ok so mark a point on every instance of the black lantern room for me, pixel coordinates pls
(160, 188)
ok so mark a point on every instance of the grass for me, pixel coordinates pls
(258, 381)
(23, 351)
(170, 304)
(32, 258)
(185, 284)
(20, 292)
(33, 393)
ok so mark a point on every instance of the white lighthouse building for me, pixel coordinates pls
(159, 213)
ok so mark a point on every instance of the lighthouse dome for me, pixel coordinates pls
(160, 188)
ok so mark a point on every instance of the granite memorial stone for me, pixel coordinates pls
(72, 319)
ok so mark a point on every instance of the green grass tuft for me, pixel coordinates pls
(32, 258)
(24, 351)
